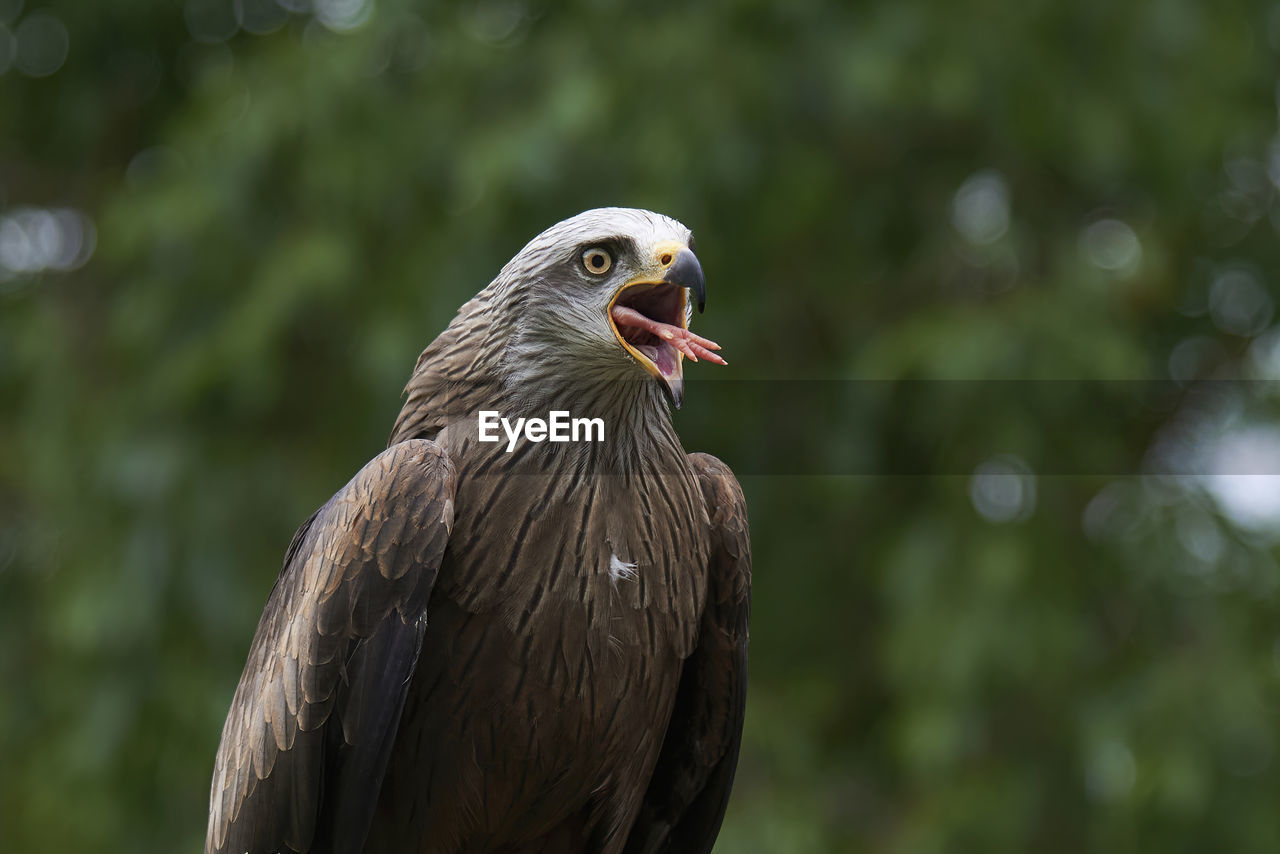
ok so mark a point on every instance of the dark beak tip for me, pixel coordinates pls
(674, 391)
(687, 273)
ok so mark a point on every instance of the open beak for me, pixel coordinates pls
(650, 317)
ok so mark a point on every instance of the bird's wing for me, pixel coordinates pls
(313, 720)
(686, 797)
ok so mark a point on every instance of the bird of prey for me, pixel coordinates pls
(541, 650)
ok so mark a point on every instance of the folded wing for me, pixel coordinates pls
(306, 741)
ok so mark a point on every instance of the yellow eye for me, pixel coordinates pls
(597, 261)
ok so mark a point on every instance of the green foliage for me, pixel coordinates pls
(964, 192)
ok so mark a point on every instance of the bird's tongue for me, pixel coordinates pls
(694, 346)
(664, 358)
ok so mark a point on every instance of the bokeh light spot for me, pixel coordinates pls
(342, 16)
(1245, 477)
(1199, 536)
(980, 209)
(1239, 304)
(1247, 197)
(495, 22)
(1112, 245)
(42, 45)
(1263, 357)
(34, 239)
(1003, 489)
(1194, 357)
(260, 17)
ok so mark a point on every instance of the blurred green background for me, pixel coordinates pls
(228, 228)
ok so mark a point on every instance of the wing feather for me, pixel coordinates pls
(340, 635)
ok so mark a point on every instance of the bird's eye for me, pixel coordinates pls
(597, 261)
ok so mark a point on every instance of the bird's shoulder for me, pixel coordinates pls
(395, 501)
(725, 504)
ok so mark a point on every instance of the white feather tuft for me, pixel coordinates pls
(620, 570)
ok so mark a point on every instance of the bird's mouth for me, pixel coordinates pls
(646, 317)
(650, 320)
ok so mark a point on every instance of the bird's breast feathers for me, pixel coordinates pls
(614, 561)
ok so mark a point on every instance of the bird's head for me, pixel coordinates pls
(608, 294)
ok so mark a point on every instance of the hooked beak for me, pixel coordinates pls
(686, 272)
(649, 317)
